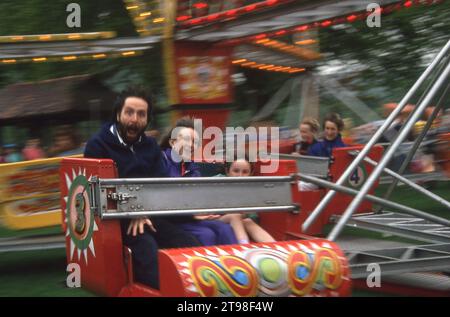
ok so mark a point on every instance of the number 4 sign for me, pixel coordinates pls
(357, 178)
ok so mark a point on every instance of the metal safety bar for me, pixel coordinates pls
(310, 165)
(443, 78)
(387, 123)
(402, 225)
(193, 181)
(139, 197)
(46, 242)
(406, 181)
(422, 258)
(376, 200)
(153, 213)
(417, 143)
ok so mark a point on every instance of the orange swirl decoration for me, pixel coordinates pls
(229, 274)
(304, 270)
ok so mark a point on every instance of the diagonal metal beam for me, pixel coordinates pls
(376, 200)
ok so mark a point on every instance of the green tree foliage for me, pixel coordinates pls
(42, 17)
(381, 64)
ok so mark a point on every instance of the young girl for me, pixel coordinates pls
(244, 227)
(178, 148)
(309, 128)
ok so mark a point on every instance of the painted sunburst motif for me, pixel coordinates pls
(79, 218)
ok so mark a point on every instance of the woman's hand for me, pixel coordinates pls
(207, 217)
(139, 223)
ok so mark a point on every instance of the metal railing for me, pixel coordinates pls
(326, 200)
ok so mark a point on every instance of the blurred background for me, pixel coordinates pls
(39, 98)
(230, 63)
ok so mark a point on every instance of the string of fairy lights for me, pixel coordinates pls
(70, 57)
(357, 16)
(186, 16)
(243, 62)
(58, 37)
(146, 15)
(302, 53)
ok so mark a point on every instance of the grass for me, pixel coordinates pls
(409, 197)
(36, 273)
(6, 233)
(412, 198)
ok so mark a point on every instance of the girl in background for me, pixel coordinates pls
(309, 128)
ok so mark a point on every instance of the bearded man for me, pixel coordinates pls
(136, 155)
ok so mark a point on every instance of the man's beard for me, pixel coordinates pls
(134, 128)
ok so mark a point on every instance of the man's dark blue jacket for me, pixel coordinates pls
(143, 159)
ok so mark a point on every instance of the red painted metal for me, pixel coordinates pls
(212, 117)
(341, 160)
(283, 225)
(279, 224)
(103, 270)
(138, 290)
(256, 269)
(203, 74)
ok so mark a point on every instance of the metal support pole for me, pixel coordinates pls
(325, 201)
(376, 200)
(415, 146)
(413, 185)
(388, 155)
(192, 180)
(154, 213)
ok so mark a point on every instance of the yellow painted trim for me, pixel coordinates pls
(18, 220)
(14, 221)
(8, 166)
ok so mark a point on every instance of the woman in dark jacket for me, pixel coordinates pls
(332, 126)
(178, 148)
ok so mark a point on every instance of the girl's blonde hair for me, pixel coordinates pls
(312, 123)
